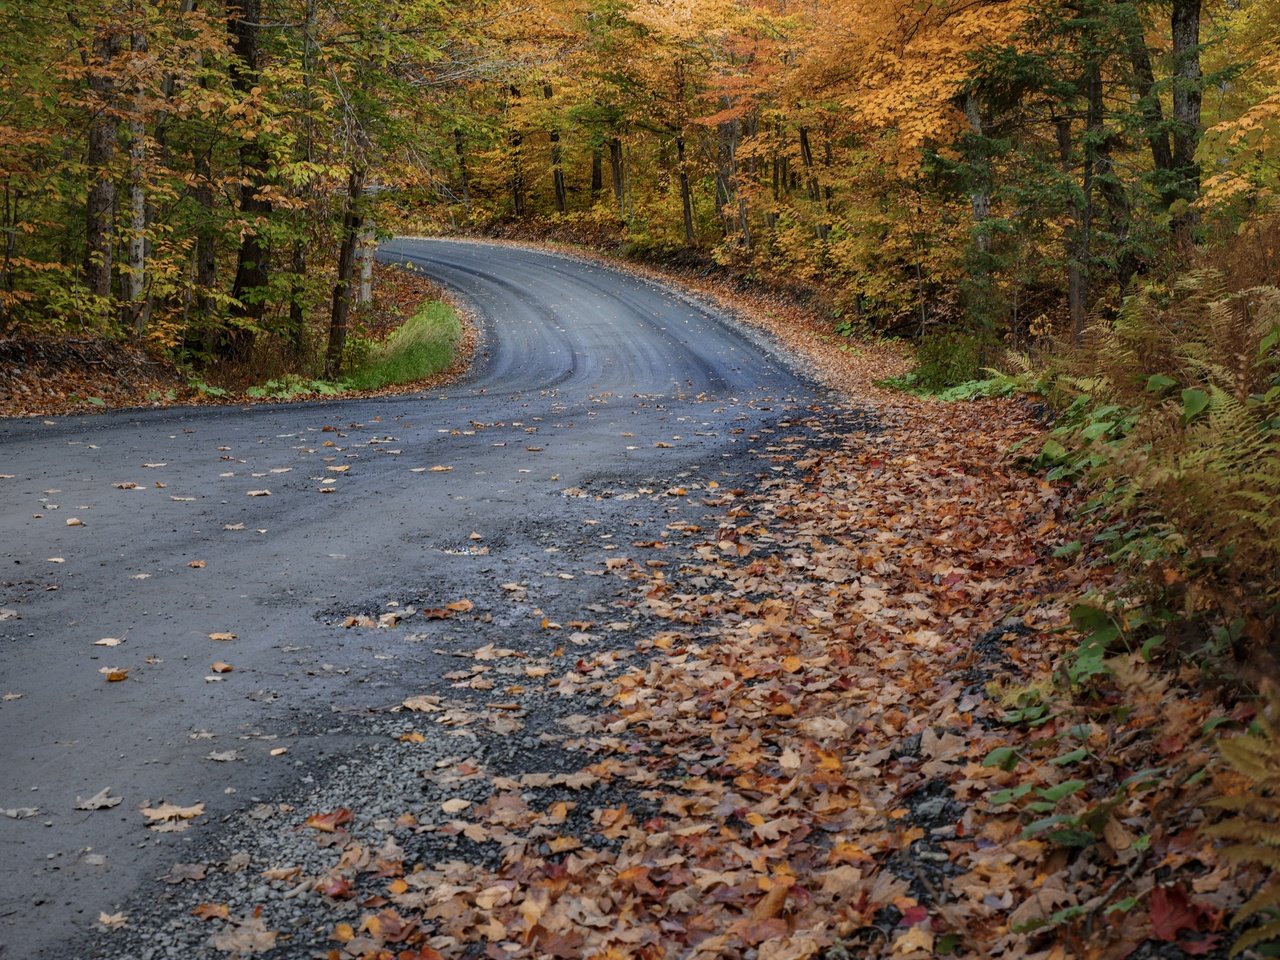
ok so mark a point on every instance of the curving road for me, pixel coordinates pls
(587, 378)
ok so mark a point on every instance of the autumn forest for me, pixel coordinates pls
(893, 391)
(196, 175)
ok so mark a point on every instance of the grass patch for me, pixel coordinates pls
(996, 386)
(424, 345)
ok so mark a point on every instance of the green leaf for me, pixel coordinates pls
(1123, 906)
(1001, 797)
(1151, 645)
(1069, 549)
(1048, 823)
(1064, 789)
(1006, 758)
(1075, 756)
(1052, 451)
(1097, 429)
(1193, 403)
(1158, 382)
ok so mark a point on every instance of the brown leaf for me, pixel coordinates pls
(330, 822)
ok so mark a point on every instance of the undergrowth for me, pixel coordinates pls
(424, 345)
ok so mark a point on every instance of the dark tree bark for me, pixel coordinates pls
(252, 271)
(1077, 249)
(812, 186)
(459, 149)
(557, 167)
(343, 290)
(597, 174)
(135, 281)
(517, 167)
(206, 237)
(1143, 84)
(615, 171)
(686, 196)
(100, 206)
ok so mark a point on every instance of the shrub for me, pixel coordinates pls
(952, 357)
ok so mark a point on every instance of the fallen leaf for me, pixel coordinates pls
(246, 936)
(423, 703)
(102, 800)
(74, 522)
(109, 642)
(220, 667)
(259, 493)
(171, 813)
(330, 822)
(196, 564)
(115, 674)
(182, 872)
(112, 921)
(212, 911)
(222, 635)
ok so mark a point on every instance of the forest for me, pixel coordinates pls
(1071, 202)
(200, 176)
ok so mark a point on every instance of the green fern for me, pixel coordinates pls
(1187, 456)
(1255, 825)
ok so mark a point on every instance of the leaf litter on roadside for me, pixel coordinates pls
(844, 734)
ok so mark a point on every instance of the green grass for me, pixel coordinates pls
(996, 386)
(426, 344)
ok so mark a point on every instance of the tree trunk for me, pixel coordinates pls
(686, 197)
(459, 150)
(352, 224)
(726, 135)
(100, 206)
(980, 186)
(516, 180)
(136, 278)
(557, 169)
(206, 235)
(252, 276)
(368, 244)
(1144, 86)
(812, 187)
(597, 174)
(1077, 242)
(1187, 94)
(615, 170)
(297, 298)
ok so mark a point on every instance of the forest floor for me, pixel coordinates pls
(64, 374)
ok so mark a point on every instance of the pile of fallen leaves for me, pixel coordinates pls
(44, 374)
(847, 735)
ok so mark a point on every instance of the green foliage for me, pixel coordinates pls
(206, 389)
(1174, 422)
(1253, 828)
(952, 357)
(294, 387)
(423, 346)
